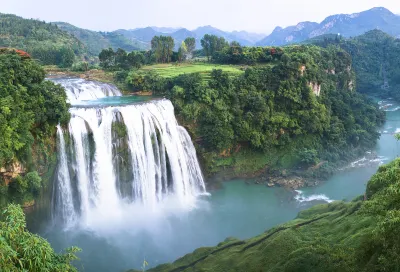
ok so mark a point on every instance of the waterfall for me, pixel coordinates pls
(118, 156)
(64, 204)
(79, 89)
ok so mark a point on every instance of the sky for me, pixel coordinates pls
(260, 16)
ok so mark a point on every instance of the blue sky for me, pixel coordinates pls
(252, 15)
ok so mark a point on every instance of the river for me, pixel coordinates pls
(238, 209)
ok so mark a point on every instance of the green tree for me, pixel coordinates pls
(107, 59)
(162, 47)
(212, 44)
(183, 51)
(30, 108)
(190, 46)
(21, 250)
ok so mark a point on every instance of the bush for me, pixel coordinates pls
(21, 250)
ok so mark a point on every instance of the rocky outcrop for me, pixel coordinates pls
(315, 87)
(11, 171)
(302, 70)
(291, 182)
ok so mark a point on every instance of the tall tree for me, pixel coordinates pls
(183, 52)
(190, 46)
(162, 47)
(107, 58)
(206, 42)
(212, 44)
(121, 59)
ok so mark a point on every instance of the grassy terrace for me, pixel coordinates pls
(171, 70)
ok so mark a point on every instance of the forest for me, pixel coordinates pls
(297, 104)
(44, 41)
(376, 58)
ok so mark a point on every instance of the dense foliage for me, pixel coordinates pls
(362, 235)
(273, 107)
(162, 48)
(44, 41)
(121, 60)
(376, 58)
(212, 44)
(30, 108)
(296, 105)
(28, 105)
(21, 250)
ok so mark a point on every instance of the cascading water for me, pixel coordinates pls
(118, 156)
(78, 89)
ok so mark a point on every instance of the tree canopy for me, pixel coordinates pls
(21, 250)
(28, 105)
(44, 41)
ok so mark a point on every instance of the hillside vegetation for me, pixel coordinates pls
(376, 58)
(30, 108)
(362, 235)
(97, 41)
(295, 107)
(44, 41)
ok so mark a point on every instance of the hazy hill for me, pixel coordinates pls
(347, 25)
(145, 35)
(97, 41)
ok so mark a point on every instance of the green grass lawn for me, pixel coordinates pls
(172, 70)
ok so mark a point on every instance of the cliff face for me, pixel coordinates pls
(7, 173)
(42, 159)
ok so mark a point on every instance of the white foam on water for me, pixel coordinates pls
(300, 197)
(366, 161)
(78, 89)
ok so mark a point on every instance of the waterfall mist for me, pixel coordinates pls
(115, 162)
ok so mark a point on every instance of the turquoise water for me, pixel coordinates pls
(113, 101)
(237, 209)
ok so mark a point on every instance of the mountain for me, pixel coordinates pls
(166, 29)
(144, 35)
(248, 36)
(347, 25)
(97, 41)
(201, 31)
(44, 41)
(180, 35)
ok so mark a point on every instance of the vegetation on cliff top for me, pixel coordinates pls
(30, 108)
(362, 235)
(289, 107)
(376, 58)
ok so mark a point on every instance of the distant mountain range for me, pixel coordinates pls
(347, 25)
(97, 41)
(146, 34)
